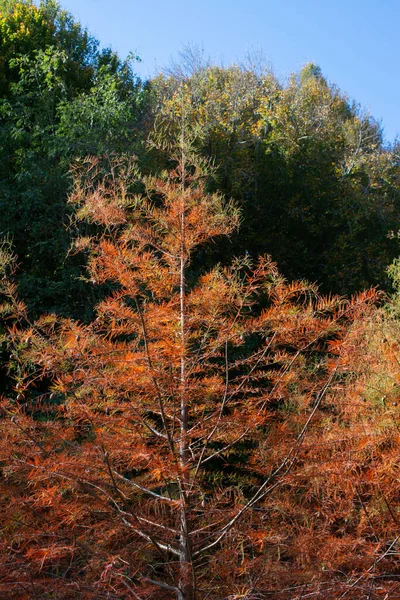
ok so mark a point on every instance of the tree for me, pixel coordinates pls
(61, 98)
(317, 187)
(143, 472)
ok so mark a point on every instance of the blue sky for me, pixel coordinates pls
(355, 42)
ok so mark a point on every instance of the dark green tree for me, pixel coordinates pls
(62, 97)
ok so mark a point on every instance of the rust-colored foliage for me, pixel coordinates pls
(194, 437)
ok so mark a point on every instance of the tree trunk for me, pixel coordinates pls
(186, 579)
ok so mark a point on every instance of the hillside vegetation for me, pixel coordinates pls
(199, 285)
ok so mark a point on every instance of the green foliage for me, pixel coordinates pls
(98, 121)
(61, 98)
(318, 189)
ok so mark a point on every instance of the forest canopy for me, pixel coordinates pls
(317, 187)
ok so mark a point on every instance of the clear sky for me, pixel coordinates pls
(355, 42)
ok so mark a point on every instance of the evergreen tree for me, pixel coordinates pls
(61, 98)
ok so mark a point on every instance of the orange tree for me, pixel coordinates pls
(138, 451)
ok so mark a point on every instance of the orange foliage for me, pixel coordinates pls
(201, 438)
